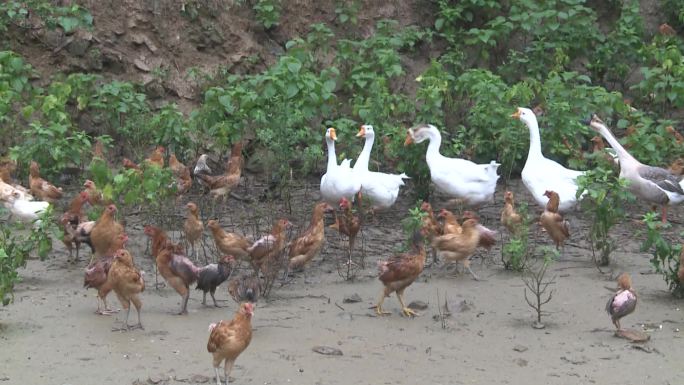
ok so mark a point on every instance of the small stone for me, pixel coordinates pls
(418, 305)
(352, 298)
(633, 335)
(141, 65)
(575, 360)
(464, 306)
(346, 316)
(520, 362)
(327, 350)
(199, 379)
(520, 348)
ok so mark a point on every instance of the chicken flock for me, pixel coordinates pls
(344, 191)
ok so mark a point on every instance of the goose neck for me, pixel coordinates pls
(364, 157)
(332, 157)
(435, 142)
(626, 159)
(535, 139)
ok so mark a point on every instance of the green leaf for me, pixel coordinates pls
(226, 102)
(292, 90)
(329, 85)
(68, 23)
(294, 66)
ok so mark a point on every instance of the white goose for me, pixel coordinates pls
(380, 188)
(460, 178)
(540, 174)
(338, 182)
(651, 184)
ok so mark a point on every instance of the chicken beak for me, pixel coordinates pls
(361, 133)
(409, 139)
(333, 135)
(516, 114)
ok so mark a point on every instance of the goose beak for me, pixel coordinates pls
(362, 132)
(333, 135)
(409, 139)
(516, 114)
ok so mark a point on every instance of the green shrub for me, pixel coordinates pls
(16, 248)
(665, 252)
(605, 202)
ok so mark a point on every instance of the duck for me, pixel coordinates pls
(651, 184)
(623, 302)
(472, 183)
(380, 188)
(338, 181)
(541, 174)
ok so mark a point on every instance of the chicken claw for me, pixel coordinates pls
(380, 312)
(409, 313)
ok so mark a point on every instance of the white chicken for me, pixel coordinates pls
(23, 210)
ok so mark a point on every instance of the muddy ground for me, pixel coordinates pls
(50, 334)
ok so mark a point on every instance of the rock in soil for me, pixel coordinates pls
(632, 335)
(327, 350)
(418, 305)
(352, 298)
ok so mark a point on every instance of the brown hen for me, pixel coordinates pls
(127, 282)
(509, 217)
(105, 231)
(347, 224)
(459, 247)
(193, 228)
(40, 188)
(309, 244)
(265, 252)
(229, 243)
(400, 271)
(450, 223)
(553, 221)
(222, 185)
(96, 274)
(182, 175)
(229, 339)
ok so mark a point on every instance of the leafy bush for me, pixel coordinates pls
(150, 187)
(662, 87)
(516, 253)
(267, 12)
(617, 52)
(69, 18)
(50, 138)
(605, 202)
(15, 250)
(666, 253)
(15, 92)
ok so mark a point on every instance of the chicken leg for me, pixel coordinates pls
(138, 305)
(204, 298)
(126, 326)
(378, 307)
(616, 322)
(466, 265)
(227, 368)
(407, 311)
(107, 310)
(184, 305)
